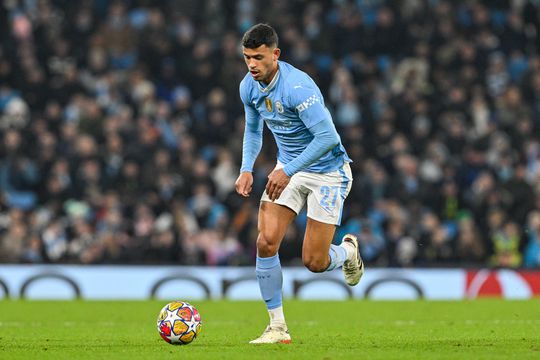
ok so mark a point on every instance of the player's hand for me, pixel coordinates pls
(277, 182)
(244, 183)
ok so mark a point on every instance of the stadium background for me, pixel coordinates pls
(121, 129)
(120, 139)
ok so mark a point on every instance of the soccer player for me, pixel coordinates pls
(312, 167)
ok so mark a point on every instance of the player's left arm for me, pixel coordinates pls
(317, 119)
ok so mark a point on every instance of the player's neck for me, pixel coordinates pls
(270, 77)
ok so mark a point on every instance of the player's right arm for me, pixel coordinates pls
(252, 143)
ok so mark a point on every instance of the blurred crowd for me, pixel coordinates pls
(121, 128)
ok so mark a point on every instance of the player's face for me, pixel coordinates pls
(262, 62)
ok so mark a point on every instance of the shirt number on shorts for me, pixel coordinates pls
(330, 194)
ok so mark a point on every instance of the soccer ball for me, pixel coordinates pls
(179, 323)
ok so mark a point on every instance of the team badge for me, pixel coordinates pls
(268, 104)
(279, 107)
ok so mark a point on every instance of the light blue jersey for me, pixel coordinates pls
(290, 105)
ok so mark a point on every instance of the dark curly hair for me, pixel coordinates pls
(260, 34)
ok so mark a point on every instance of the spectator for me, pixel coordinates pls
(470, 246)
(506, 243)
(532, 251)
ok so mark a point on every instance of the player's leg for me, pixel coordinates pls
(273, 222)
(318, 252)
(327, 193)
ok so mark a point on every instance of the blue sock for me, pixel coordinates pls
(338, 255)
(270, 279)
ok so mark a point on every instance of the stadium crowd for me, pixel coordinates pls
(121, 128)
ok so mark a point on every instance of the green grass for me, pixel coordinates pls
(480, 329)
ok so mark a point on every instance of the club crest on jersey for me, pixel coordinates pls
(279, 107)
(268, 104)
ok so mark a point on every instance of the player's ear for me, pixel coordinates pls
(276, 53)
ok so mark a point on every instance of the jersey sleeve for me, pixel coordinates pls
(325, 137)
(253, 131)
(308, 105)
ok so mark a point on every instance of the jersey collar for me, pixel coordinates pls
(271, 85)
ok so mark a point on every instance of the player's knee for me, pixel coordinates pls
(315, 265)
(266, 246)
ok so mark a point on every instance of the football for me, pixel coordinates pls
(179, 323)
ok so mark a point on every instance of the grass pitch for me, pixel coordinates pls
(479, 329)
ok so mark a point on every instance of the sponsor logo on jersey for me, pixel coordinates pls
(279, 124)
(308, 102)
(268, 104)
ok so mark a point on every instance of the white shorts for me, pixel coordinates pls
(324, 194)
